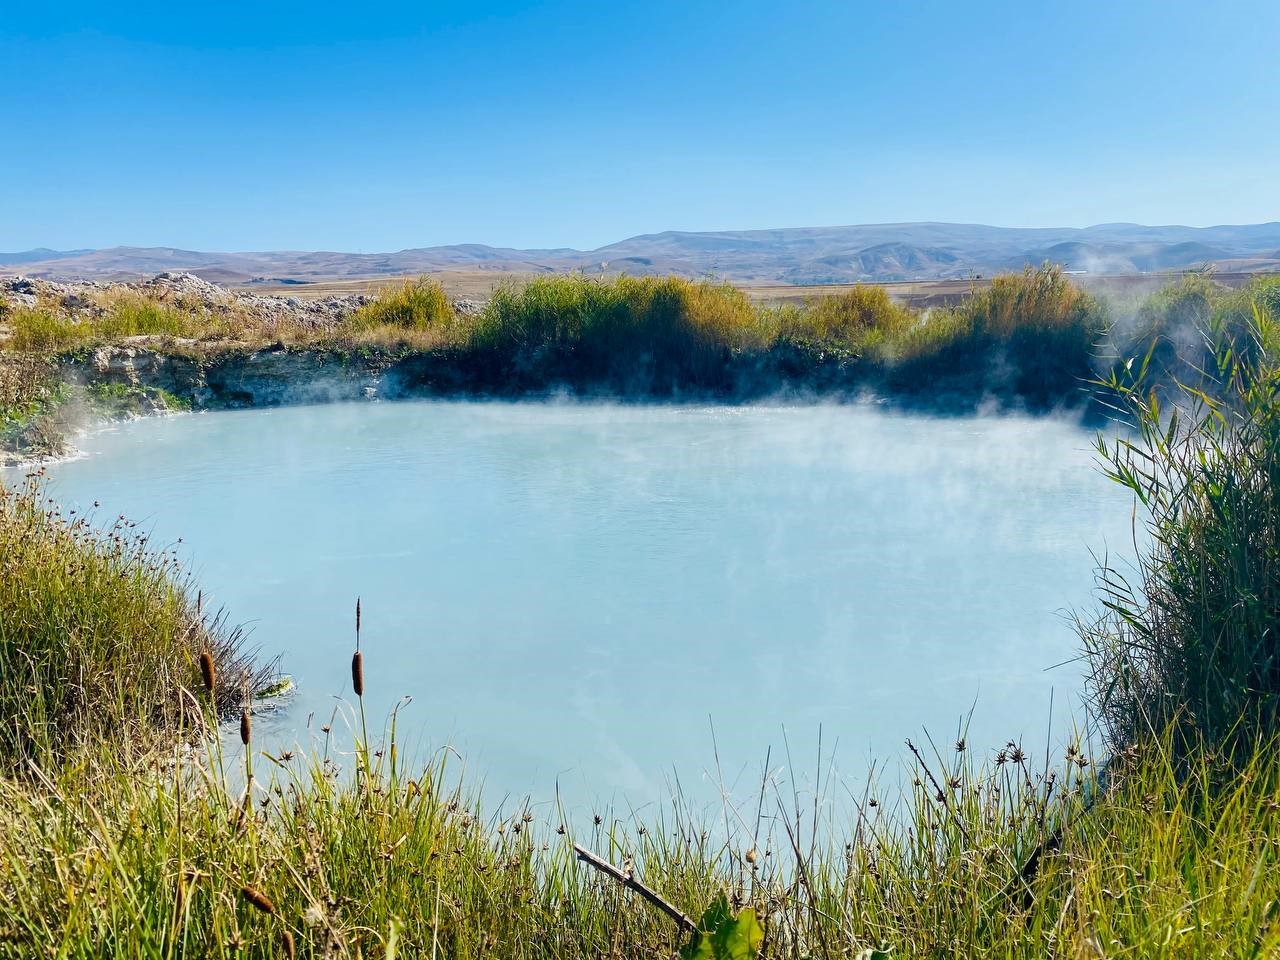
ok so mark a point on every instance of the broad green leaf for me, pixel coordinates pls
(722, 936)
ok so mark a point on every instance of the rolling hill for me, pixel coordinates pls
(799, 255)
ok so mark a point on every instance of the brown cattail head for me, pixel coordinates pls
(207, 671)
(357, 673)
(357, 623)
(258, 899)
(286, 938)
(246, 726)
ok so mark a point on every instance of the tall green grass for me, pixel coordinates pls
(1003, 855)
(99, 633)
(420, 305)
(641, 333)
(46, 329)
(1191, 641)
(28, 387)
(1029, 335)
(863, 320)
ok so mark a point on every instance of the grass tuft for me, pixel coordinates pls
(415, 305)
(99, 638)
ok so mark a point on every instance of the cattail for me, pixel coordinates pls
(207, 671)
(246, 726)
(258, 899)
(357, 659)
(286, 937)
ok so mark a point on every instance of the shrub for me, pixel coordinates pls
(1170, 327)
(1032, 335)
(860, 319)
(1234, 310)
(25, 383)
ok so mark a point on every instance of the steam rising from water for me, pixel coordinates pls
(569, 591)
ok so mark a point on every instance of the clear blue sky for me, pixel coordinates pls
(377, 126)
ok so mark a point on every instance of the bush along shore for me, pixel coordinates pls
(1031, 341)
(127, 833)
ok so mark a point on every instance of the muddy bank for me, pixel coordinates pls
(240, 376)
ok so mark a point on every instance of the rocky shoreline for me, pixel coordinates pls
(152, 374)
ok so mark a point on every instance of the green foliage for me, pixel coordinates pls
(44, 329)
(26, 384)
(863, 319)
(30, 395)
(415, 305)
(1193, 644)
(98, 633)
(40, 330)
(150, 858)
(723, 936)
(135, 315)
(1170, 325)
(120, 400)
(1032, 335)
(1182, 306)
(1234, 310)
(640, 333)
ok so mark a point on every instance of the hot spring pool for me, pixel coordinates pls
(573, 594)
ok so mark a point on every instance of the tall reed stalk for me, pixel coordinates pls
(1190, 643)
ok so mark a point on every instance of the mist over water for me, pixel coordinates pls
(570, 591)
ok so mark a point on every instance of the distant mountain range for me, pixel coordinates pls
(799, 255)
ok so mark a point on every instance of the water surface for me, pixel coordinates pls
(574, 593)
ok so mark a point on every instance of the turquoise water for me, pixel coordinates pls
(574, 595)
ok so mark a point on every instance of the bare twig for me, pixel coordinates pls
(631, 883)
